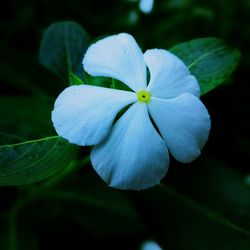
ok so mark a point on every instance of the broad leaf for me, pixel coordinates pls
(62, 49)
(209, 59)
(105, 82)
(12, 77)
(9, 139)
(26, 117)
(208, 203)
(23, 74)
(75, 80)
(219, 188)
(88, 202)
(32, 161)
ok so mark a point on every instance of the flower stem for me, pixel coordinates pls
(12, 235)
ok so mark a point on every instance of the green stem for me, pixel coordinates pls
(12, 240)
(13, 215)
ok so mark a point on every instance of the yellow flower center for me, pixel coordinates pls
(143, 96)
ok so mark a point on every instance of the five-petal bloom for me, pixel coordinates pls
(130, 153)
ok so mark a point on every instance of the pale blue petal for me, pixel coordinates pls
(184, 124)
(133, 156)
(84, 114)
(150, 245)
(146, 6)
(169, 76)
(119, 57)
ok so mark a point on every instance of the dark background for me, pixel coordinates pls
(64, 225)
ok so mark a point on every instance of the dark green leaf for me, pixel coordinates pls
(62, 49)
(98, 81)
(210, 203)
(84, 199)
(119, 85)
(177, 221)
(13, 77)
(9, 139)
(26, 117)
(24, 72)
(75, 80)
(209, 59)
(105, 82)
(221, 189)
(32, 161)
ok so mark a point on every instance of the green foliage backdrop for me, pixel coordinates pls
(50, 196)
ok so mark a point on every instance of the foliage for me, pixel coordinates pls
(50, 195)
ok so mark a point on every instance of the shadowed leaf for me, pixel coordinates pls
(209, 59)
(32, 161)
(62, 49)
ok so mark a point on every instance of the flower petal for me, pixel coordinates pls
(146, 6)
(119, 57)
(184, 124)
(169, 76)
(133, 156)
(84, 114)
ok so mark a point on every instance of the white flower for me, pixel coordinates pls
(131, 153)
(146, 6)
(150, 245)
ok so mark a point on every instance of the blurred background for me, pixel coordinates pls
(206, 204)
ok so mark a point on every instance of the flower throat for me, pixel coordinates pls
(143, 96)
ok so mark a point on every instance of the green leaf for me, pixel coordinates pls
(75, 80)
(181, 219)
(24, 73)
(87, 201)
(21, 120)
(209, 203)
(32, 161)
(221, 189)
(209, 60)
(105, 82)
(9, 139)
(62, 49)
(15, 78)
